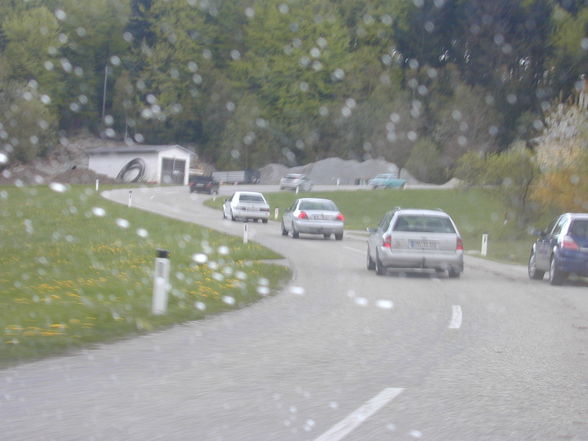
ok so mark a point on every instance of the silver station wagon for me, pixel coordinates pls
(313, 216)
(416, 240)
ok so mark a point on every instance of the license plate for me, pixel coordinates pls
(423, 244)
(319, 217)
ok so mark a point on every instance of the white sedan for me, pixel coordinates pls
(246, 205)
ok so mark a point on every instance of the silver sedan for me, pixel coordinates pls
(313, 216)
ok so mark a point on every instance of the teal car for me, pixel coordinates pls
(387, 180)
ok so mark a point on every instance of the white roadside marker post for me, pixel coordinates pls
(160, 282)
(276, 213)
(484, 250)
(130, 198)
(97, 184)
(245, 233)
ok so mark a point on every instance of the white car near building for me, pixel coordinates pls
(246, 205)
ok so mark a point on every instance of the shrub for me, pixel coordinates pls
(508, 175)
(564, 188)
(424, 162)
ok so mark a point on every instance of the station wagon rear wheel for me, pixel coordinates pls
(380, 270)
(453, 273)
(371, 265)
(556, 276)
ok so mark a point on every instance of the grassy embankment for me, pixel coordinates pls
(474, 211)
(76, 269)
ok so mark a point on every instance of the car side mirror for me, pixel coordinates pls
(537, 232)
(371, 230)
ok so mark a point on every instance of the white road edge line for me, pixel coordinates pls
(358, 416)
(455, 317)
(354, 249)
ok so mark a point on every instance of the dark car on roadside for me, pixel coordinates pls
(203, 184)
(561, 249)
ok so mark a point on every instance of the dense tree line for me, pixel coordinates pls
(246, 82)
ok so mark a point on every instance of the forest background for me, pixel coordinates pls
(483, 90)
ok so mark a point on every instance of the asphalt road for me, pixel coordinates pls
(341, 354)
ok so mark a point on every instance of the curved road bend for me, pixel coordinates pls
(341, 354)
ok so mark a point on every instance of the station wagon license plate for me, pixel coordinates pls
(423, 244)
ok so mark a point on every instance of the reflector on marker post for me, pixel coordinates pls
(484, 250)
(160, 282)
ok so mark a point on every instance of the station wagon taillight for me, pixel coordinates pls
(303, 215)
(569, 244)
(459, 244)
(387, 241)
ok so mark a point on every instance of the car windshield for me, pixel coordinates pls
(317, 205)
(251, 198)
(195, 224)
(423, 224)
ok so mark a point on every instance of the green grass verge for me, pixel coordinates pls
(474, 211)
(78, 269)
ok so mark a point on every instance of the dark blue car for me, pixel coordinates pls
(562, 249)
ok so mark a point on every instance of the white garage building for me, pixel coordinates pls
(161, 164)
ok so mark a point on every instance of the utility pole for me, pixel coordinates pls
(104, 93)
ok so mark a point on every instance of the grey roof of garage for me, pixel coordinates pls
(135, 149)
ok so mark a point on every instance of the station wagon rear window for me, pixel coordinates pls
(424, 224)
(579, 229)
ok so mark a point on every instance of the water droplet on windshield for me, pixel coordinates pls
(229, 300)
(59, 188)
(97, 211)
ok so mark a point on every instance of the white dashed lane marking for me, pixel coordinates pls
(358, 416)
(456, 317)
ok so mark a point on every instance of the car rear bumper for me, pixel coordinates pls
(406, 259)
(251, 214)
(318, 227)
(573, 262)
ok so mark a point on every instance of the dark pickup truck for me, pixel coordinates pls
(203, 184)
